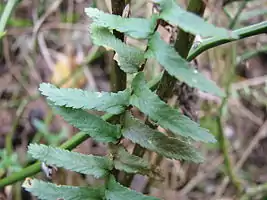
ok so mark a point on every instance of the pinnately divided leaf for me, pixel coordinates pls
(139, 28)
(49, 191)
(90, 124)
(179, 67)
(190, 22)
(129, 58)
(113, 103)
(116, 191)
(85, 164)
(156, 141)
(130, 163)
(167, 117)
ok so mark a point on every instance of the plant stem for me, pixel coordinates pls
(182, 46)
(245, 32)
(117, 76)
(36, 167)
(238, 13)
(6, 14)
(223, 142)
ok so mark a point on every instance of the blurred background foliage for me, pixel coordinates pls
(48, 41)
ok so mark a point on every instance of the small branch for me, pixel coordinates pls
(245, 32)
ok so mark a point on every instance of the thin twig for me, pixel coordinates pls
(249, 82)
(44, 51)
(40, 22)
(47, 27)
(9, 136)
(262, 132)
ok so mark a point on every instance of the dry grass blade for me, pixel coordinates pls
(40, 22)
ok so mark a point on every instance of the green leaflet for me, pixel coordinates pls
(93, 125)
(179, 67)
(156, 141)
(129, 26)
(167, 117)
(85, 164)
(129, 58)
(113, 103)
(49, 191)
(130, 163)
(190, 22)
(115, 191)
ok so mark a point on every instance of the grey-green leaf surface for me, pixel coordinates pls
(116, 191)
(167, 117)
(129, 58)
(90, 124)
(113, 103)
(156, 141)
(179, 67)
(139, 28)
(50, 191)
(86, 164)
(190, 22)
(127, 162)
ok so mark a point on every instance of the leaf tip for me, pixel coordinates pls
(44, 87)
(212, 139)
